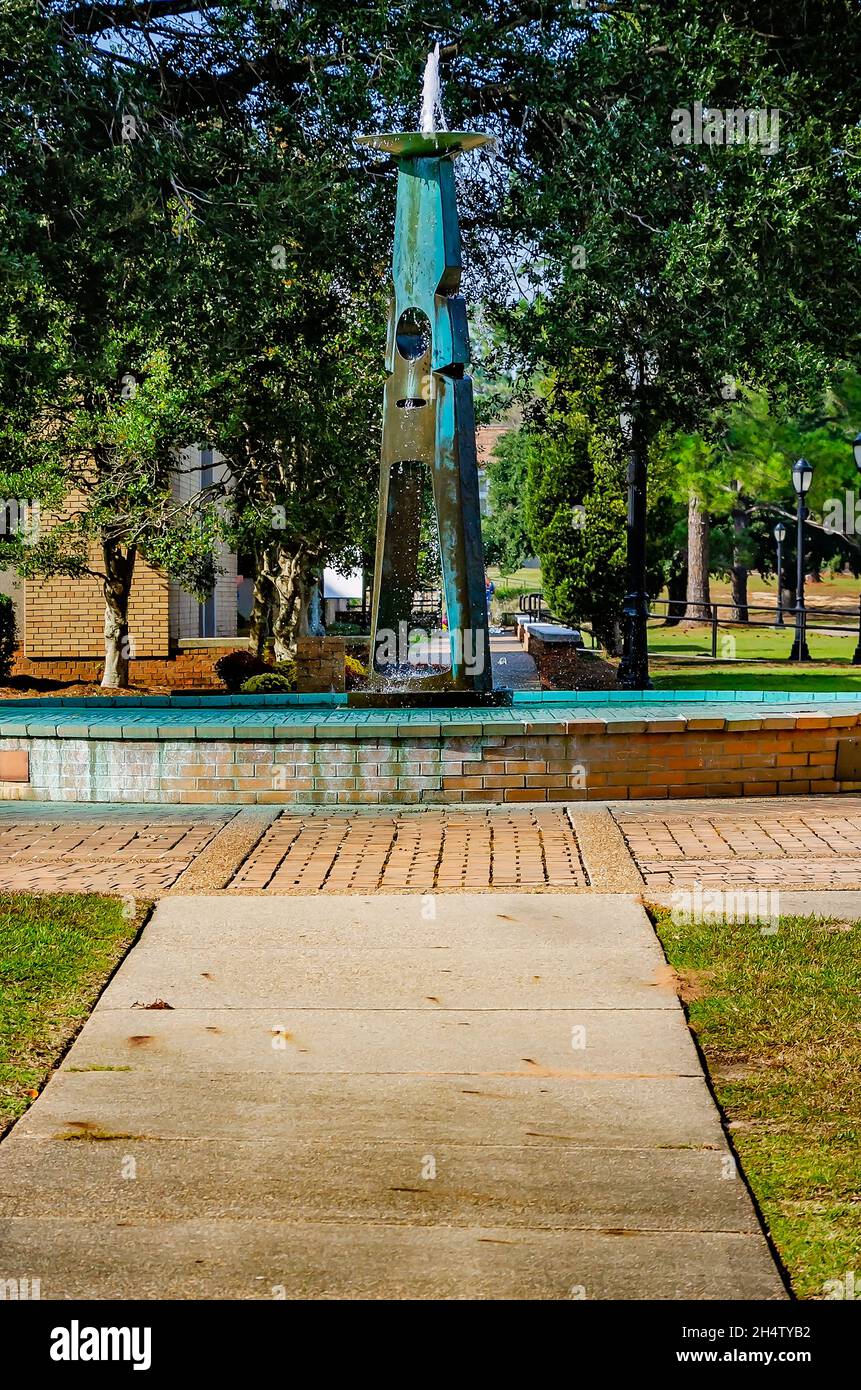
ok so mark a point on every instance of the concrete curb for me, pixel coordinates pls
(219, 862)
(606, 858)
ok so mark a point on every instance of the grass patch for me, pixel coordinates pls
(777, 1017)
(759, 642)
(56, 952)
(764, 676)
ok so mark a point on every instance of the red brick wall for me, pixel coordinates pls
(794, 756)
(187, 668)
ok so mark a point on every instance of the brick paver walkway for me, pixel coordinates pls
(808, 842)
(499, 847)
(113, 853)
(814, 842)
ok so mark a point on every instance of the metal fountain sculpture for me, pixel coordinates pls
(428, 419)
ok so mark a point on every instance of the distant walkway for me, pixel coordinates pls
(512, 666)
(460, 1097)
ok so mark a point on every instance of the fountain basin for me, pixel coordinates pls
(428, 699)
(317, 750)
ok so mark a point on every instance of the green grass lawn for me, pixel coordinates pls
(667, 675)
(56, 953)
(778, 1020)
(748, 643)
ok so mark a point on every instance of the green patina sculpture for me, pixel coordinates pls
(428, 419)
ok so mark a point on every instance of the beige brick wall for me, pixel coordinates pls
(65, 617)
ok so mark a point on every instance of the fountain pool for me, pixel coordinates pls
(318, 750)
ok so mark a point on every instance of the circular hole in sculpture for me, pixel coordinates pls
(413, 334)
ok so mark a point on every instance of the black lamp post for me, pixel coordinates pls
(633, 673)
(780, 537)
(802, 477)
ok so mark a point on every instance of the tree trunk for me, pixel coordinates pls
(117, 584)
(608, 634)
(263, 604)
(787, 588)
(739, 569)
(677, 587)
(697, 604)
(293, 579)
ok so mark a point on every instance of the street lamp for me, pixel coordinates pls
(780, 537)
(802, 477)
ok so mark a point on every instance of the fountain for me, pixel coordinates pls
(537, 746)
(428, 424)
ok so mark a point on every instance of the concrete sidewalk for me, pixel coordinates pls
(463, 1097)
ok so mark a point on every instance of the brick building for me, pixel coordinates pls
(174, 638)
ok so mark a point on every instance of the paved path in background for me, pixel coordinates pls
(482, 1097)
(512, 666)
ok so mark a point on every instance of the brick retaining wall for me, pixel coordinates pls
(186, 668)
(583, 761)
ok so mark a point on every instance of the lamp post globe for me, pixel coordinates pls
(802, 476)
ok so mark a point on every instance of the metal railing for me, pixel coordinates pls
(533, 604)
(814, 619)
